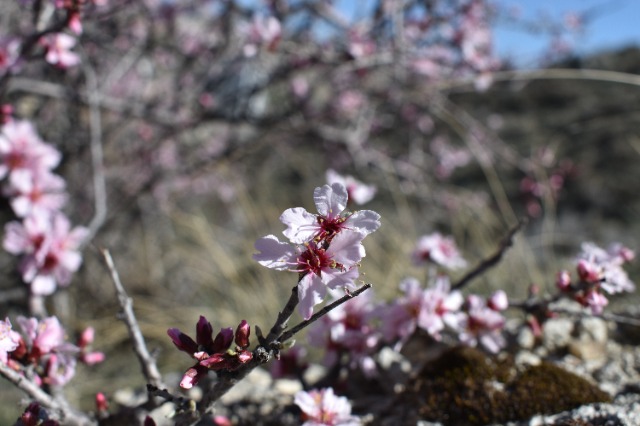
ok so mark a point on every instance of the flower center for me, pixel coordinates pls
(314, 259)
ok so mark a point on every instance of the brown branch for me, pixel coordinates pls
(289, 334)
(270, 345)
(146, 360)
(58, 409)
(492, 260)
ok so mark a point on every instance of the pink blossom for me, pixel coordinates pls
(320, 268)
(29, 192)
(324, 408)
(263, 31)
(430, 309)
(481, 324)
(9, 54)
(330, 201)
(358, 192)
(596, 265)
(59, 52)
(22, 149)
(9, 340)
(439, 250)
(348, 329)
(84, 343)
(50, 248)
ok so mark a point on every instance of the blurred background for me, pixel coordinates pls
(467, 116)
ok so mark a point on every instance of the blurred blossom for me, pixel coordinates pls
(50, 247)
(448, 157)
(59, 52)
(348, 329)
(358, 192)
(440, 250)
(596, 265)
(9, 54)
(350, 102)
(324, 408)
(300, 87)
(9, 339)
(262, 32)
(430, 309)
(22, 148)
(35, 193)
(481, 324)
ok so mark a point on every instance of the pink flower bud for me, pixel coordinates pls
(563, 280)
(588, 271)
(102, 405)
(242, 334)
(498, 301)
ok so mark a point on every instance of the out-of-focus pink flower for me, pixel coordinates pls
(593, 299)
(358, 192)
(35, 415)
(330, 201)
(212, 354)
(481, 324)
(9, 54)
(596, 265)
(498, 301)
(263, 31)
(22, 149)
(9, 340)
(45, 347)
(563, 280)
(84, 343)
(440, 250)
(430, 309)
(348, 329)
(59, 52)
(30, 192)
(50, 248)
(350, 102)
(324, 408)
(291, 363)
(320, 268)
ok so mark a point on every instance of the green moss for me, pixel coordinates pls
(466, 387)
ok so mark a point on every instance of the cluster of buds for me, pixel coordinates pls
(599, 271)
(42, 351)
(212, 353)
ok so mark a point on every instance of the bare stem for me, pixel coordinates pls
(147, 362)
(57, 408)
(492, 260)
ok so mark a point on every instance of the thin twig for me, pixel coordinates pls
(147, 362)
(322, 312)
(491, 260)
(97, 163)
(263, 353)
(57, 409)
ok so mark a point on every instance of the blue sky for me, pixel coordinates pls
(611, 24)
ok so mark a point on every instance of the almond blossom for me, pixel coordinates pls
(430, 309)
(9, 340)
(319, 268)
(440, 250)
(348, 329)
(483, 323)
(596, 265)
(30, 192)
(358, 192)
(324, 408)
(50, 247)
(331, 202)
(59, 52)
(22, 149)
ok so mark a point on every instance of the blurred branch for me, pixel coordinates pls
(147, 361)
(99, 187)
(59, 408)
(492, 260)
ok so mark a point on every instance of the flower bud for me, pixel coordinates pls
(563, 281)
(242, 334)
